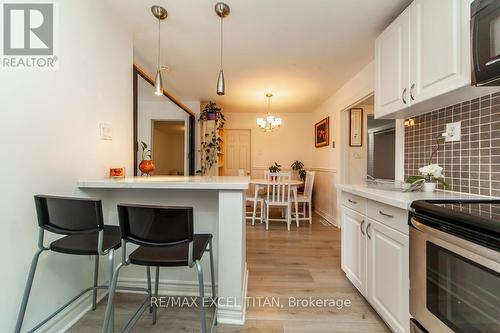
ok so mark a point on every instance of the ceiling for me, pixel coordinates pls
(301, 51)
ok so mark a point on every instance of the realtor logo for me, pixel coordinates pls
(28, 35)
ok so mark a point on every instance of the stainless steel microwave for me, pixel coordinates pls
(485, 42)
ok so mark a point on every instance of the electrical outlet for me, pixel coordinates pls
(453, 131)
(105, 131)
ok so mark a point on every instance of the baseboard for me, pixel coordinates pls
(326, 216)
(72, 314)
(169, 287)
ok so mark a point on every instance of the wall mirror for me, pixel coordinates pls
(381, 148)
(166, 125)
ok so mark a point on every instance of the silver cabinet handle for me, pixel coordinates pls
(411, 92)
(386, 215)
(367, 231)
(361, 227)
(352, 201)
(403, 95)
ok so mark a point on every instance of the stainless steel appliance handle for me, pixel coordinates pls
(454, 240)
(361, 227)
(385, 214)
(367, 231)
(491, 62)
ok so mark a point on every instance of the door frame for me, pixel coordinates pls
(225, 147)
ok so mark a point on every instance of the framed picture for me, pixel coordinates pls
(322, 133)
(356, 127)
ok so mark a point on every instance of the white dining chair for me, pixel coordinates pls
(278, 195)
(306, 198)
(254, 202)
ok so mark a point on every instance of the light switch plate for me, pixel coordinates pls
(105, 131)
(453, 131)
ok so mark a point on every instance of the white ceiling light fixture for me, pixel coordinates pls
(160, 13)
(269, 123)
(222, 10)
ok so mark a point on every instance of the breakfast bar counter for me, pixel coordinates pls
(218, 204)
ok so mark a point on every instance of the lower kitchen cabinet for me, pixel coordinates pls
(388, 274)
(375, 258)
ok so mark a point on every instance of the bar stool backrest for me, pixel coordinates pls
(156, 225)
(69, 216)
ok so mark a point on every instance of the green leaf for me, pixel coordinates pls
(412, 179)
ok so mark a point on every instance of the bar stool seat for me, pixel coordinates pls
(172, 255)
(86, 244)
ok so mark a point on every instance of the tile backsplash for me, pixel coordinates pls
(471, 165)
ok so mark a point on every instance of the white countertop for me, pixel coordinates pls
(403, 200)
(170, 182)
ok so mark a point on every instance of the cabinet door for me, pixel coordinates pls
(353, 248)
(388, 274)
(440, 51)
(392, 67)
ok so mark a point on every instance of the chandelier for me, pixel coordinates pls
(270, 122)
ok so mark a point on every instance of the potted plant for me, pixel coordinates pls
(146, 166)
(275, 167)
(211, 144)
(298, 166)
(432, 174)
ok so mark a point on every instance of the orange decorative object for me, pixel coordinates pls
(117, 172)
(146, 167)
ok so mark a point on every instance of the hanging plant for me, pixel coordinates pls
(211, 145)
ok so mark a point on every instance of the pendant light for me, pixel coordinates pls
(160, 13)
(222, 10)
(269, 123)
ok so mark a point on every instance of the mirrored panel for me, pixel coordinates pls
(381, 141)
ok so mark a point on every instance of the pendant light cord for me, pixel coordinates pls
(221, 41)
(159, 40)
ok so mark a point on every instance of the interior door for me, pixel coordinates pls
(440, 51)
(237, 153)
(392, 67)
(354, 248)
(388, 275)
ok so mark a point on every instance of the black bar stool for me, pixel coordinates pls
(81, 223)
(165, 237)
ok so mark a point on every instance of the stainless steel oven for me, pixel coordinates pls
(454, 274)
(485, 42)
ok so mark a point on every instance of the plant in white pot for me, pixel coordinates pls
(432, 174)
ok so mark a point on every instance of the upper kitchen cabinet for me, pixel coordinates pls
(392, 69)
(440, 51)
(422, 60)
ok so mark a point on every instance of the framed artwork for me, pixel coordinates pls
(322, 133)
(356, 127)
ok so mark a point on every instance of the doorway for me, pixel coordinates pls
(237, 153)
(168, 147)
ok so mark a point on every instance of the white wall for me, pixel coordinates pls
(328, 161)
(292, 141)
(50, 137)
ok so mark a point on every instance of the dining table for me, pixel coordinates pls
(260, 183)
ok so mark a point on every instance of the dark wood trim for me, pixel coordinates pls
(138, 71)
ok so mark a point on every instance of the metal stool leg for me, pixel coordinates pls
(96, 278)
(157, 279)
(110, 296)
(148, 272)
(212, 274)
(109, 316)
(27, 291)
(202, 297)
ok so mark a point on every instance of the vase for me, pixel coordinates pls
(429, 187)
(146, 167)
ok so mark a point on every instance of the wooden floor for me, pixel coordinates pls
(300, 263)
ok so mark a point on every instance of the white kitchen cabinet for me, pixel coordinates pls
(354, 247)
(375, 258)
(422, 55)
(388, 274)
(392, 66)
(440, 50)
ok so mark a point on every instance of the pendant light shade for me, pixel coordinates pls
(158, 83)
(160, 13)
(221, 87)
(222, 10)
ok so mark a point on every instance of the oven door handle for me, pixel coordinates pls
(453, 240)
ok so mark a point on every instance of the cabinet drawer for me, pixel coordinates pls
(354, 202)
(393, 217)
